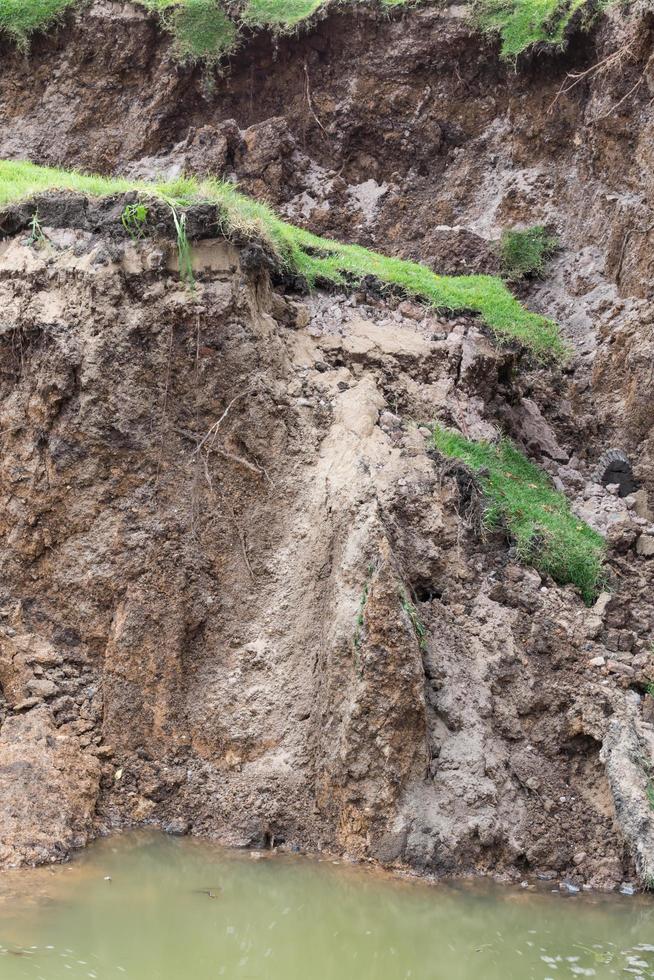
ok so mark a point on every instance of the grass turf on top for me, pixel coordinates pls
(279, 14)
(203, 30)
(317, 260)
(21, 18)
(521, 498)
(209, 29)
(523, 23)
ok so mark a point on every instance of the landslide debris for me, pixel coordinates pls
(298, 252)
(270, 613)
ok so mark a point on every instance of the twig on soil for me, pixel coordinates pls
(572, 79)
(165, 403)
(239, 532)
(624, 98)
(307, 92)
(236, 459)
(212, 432)
(195, 491)
(230, 509)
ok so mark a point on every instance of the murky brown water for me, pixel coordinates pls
(150, 907)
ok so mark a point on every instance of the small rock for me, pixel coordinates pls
(531, 578)
(645, 545)
(389, 421)
(45, 656)
(601, 603)
(179, 826)
(597, 661)
(626, 641)
(411, 310)
(41, 687)
(302, 317)
(617, 668)
(593, 626)
(64, 703)
(579, 857)
(641, 505)
(612, 640)
(27, 703)
(626, 888)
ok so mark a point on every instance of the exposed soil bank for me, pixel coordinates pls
(180, 615)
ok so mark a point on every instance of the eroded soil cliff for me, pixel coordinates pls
(222, 519)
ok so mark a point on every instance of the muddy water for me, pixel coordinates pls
(148, 907)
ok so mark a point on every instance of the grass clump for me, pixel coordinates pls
(524, 253)
(520, 498)
(282, 14)
(359, 621)
(22, 18)
(316, 260)
(36, 236)
(134, 219)
(202, 29)
(523, 23)
(418, 626)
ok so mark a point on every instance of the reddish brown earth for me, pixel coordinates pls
(179, 640)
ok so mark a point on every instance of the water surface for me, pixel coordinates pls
(149, 907)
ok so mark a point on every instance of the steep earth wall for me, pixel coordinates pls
(216, 505)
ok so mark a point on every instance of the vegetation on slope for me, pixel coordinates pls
(523, 23)
(205, 30)
(202, 29)
(280, 14)
(316, 260)
(209, 29)
(20, 18)
(520, 498)
(524, 253)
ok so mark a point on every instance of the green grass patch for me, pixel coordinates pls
(134, 219)
(418, 626)
(22, 18)
(523, 23)
(316, 260)
(524, 253)
(520, 498)
(284, 14)
(202, 29)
